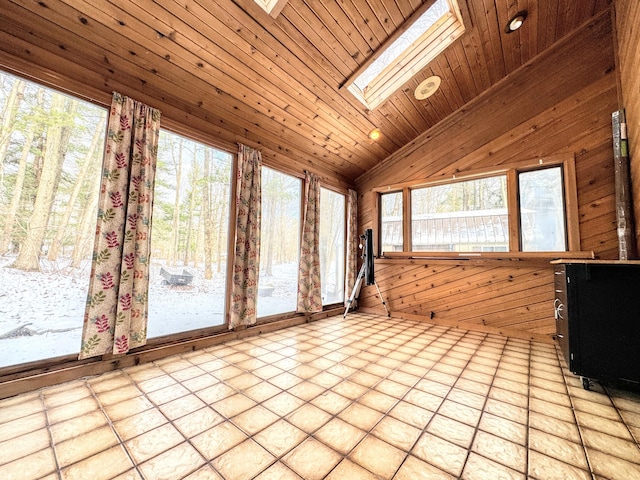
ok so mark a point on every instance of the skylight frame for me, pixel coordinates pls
(412, 60)
(272, 7)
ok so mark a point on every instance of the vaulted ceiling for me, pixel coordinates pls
(228, 68)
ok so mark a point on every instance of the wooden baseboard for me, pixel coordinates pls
(16, 383)
(505, 332)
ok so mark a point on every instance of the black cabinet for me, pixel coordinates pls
(597, 311)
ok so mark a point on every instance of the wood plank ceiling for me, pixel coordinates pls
(276, 83)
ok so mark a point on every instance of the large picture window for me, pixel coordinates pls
(189, 236)
(391, 222)
(542, 219)
(523, 208)
(467, 216)
(279, 242)
(332, 245)
(51, 149)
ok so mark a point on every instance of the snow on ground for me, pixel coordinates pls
(41, 312)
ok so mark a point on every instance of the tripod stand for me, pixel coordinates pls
(356, 291)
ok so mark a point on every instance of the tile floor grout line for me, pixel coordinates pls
(155, 406)
(575, 417)
(121, 442)
(482, 410)
(347, 354)
(528, 425)
(58, 470)
(398, 400)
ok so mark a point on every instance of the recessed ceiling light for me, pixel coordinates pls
(427, 87)
(375, 134)
(516, 21)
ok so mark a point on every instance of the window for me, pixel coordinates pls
(391, 225)
(542, 220)
(51, 148)
(332, 245)
(525, 207)
(468, 216)
(427, 35)
(279, 243)
(189, 236)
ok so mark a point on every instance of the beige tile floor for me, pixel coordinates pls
(362, 398)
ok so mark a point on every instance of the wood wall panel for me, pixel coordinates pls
(278, 84)
(627, 15)
(560, 103)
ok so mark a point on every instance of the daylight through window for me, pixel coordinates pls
(468, 216)
(189, 236)
(391, 223)
(332, 245)
(429, 34)
(542, 219)
(523, 208)
(279, 243)
(51, 149)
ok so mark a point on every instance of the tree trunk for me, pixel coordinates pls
(51, 167)
(206, 213)
(8, 118)
(62, 228)
(192, 206)
(87, 228)
(175, 231)
(221, 221)
(10, 219)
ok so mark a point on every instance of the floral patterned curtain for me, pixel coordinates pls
(309, 288)
(115, 319)
(352, 244)
(244, 288)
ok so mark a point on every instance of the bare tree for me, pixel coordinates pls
(87, 227)
(54, 153)
(175, 230)
(191, 208)
(8, 118)
(12, 213)
(63, 223)
(206, 213)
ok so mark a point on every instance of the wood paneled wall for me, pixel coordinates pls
(627, 15)
(559, 103)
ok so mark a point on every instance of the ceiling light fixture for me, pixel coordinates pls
(516, 21)
(427, 87)
(375, 134)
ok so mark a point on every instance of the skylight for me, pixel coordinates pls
(272, 7)
(427, 36)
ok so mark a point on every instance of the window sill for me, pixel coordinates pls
(466, 258)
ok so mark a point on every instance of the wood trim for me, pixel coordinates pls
(505, 332)
(529, 163)
(513, 207)
(465, 257)
(15, 383)
(405, 26)
(571, 204)
(595, 262)
(407, 242)
(377, 246)
(277, 8)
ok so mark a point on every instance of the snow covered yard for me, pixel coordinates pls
(41, 312)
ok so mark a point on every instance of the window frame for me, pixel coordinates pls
(278, 315)
(272, 7)
(328, 306)
(512, 170)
